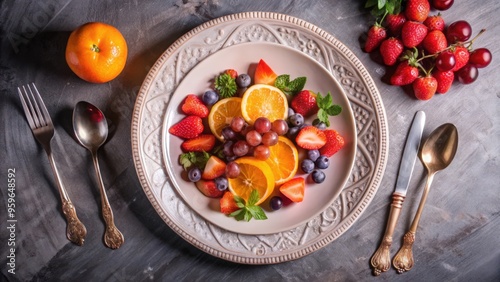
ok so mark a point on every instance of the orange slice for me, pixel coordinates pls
(254, 174)
(283, 160)
(262, 100)
(222, 113)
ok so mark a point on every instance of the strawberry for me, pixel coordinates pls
(375, 36)
(232, 73)
(214, 168)
(334, 142)
(208, 188)
(394, 23)
(189, 127)
(435, 22)
(413, 33)
(228, 204)
(310, 138)
(294, 189)
(424, 87)
(435, 42)
(390, 49)
(405, 74)
(305, 103)
(194, 106)
(417, 10)
(444, 80)
(264, 74)
(461, 57)
(202, 143)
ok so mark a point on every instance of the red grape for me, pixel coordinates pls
(232, 170)
(480, 58)
(262, 152)
(237, 124)
(445, 61)
(458, 31)
(240, 148)
(262, 125)
(270, 138)
(467, 74)
(442, 4)
(253, 138)
(279, 126)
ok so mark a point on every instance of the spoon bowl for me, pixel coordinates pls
(437, 153)
(91, 130)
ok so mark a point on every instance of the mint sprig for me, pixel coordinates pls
(225, 85)
(380, 8)
(327, 107)
(198, 159)
(288, 87)
(248, 210)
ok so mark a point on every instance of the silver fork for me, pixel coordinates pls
(43, 130)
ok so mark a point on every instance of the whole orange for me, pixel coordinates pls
(96, 52)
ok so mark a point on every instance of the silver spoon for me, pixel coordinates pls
(91, 130)
(437, 153)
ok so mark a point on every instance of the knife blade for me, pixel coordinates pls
(410, 153)
(381, 259)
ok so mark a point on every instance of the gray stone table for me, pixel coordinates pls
(457, 240)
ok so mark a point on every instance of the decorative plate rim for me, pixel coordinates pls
(317, 243)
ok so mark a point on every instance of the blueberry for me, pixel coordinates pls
(296, 119)
(194, 174)
(292, 132)
(318, 176)
(307, 166)
(276, 203)
(243, 80)
(210, 97)
(319, 124)
(313, 155)
(221, 183)
(322, 162)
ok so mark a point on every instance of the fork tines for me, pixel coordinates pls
(33, 105)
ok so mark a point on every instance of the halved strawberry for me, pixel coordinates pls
(189, 127)
(305, 103)
(208, 188)
(264, 74)
(310, 138)
(194, 106)
(202, 143)
(334, 142)
(294, 189)
(228, 204)
(214, 168)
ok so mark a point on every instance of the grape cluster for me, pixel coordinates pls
(242, 139)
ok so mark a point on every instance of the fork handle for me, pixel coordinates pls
(75, 230)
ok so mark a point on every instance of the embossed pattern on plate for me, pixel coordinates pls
(190, 49)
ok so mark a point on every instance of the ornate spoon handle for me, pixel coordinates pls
(403, 261)
(75, 230)
(113, 238)
(381, 260)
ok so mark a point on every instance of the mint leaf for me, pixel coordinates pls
(198, 159)
(326, 107)
(248, 210)
(225, 85)
(288, 87)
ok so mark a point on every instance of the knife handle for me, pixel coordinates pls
(381, 260)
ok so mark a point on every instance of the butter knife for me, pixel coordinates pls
(381, 260)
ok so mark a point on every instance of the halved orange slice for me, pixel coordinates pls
(283, 160)
(261, 100)
(222, 113)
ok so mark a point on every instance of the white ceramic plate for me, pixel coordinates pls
(167, 74)
(283, 60)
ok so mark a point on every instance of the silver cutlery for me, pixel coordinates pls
(381, 259)
(43, 130)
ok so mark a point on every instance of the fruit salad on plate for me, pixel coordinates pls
(248, 142)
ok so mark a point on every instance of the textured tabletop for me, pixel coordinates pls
(457, 239)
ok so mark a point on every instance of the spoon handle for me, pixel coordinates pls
(381, 260)
(75, 230)
(403, 261)
(113, 238)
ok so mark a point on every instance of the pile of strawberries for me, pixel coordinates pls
(428, 55)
